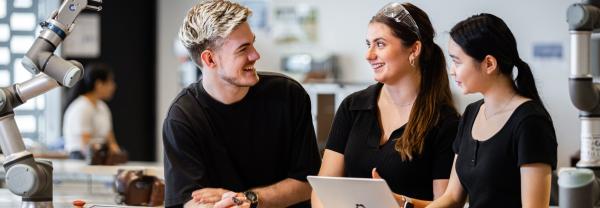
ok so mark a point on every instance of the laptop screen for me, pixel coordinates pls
(352, 192)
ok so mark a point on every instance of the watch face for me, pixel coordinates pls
(251, 196)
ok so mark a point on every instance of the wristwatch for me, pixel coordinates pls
(407, 202)
(252, 197)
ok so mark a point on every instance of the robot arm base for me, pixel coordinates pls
(29, 178)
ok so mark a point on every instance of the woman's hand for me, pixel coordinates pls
(399, 198)
(114, 148)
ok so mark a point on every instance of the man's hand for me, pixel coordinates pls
(232, 199)
(208, 195)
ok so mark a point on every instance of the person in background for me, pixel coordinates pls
(506, 144)
(402, 128)
(87, 118)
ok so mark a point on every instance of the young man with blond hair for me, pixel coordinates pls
(236, 137)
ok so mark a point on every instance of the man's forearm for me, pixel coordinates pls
(283, 194)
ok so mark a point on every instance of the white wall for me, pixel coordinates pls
(342, 30)
(170, 16)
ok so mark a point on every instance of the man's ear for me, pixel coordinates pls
(489, 64)
(208, 58)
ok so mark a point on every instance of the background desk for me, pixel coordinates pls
(74, 179)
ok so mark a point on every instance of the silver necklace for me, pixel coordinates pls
(390, 100)
(405, 104)
(497, 112)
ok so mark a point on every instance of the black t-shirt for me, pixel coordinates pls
(356, 134)
(489, 170)
(266, 137)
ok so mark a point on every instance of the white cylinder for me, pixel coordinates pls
(40, 84)
(10, 138)
(590, 142)
(580, 54)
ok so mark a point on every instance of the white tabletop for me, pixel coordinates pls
(74, 179)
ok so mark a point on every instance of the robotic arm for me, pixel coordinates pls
(25, 176)
(583, 19)
(579, 187)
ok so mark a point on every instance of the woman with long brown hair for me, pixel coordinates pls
(402, 128)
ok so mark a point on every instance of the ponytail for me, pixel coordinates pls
(92, 73)
(73, 93)
(525, 84)
(434, 96)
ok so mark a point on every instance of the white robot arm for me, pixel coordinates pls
(579, 187)
(26, 177)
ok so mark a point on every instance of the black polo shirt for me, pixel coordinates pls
(489, 170)
(356, 134)
(266, 137)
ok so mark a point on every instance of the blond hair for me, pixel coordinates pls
(209, 22)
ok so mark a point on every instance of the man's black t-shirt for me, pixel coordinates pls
(489, 170)
(264, 138)
(356, 134)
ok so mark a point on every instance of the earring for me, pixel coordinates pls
(411, 61)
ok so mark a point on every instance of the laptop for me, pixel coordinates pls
(352, 192)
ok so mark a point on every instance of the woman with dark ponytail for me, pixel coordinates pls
(402, 128)
(87, 118)
(506, 145)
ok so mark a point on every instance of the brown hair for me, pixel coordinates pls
(434, 93)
